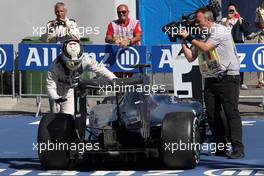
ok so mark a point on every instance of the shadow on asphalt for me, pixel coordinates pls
(83, 165)
(216, 164)
(22, 163)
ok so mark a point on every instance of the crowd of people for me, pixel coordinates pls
(125, 31)
(218, 60)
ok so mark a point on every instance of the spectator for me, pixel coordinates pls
(62, 28)
(259, 22)
(239, 30)
(124, 32)
(219, 65)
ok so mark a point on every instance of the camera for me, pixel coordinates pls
(187, 22)
(173, 28)
(59, 22)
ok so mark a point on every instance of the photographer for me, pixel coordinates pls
(259, 23)
(219, 65)
(239, 30)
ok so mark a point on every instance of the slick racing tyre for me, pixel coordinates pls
(55, 133)
(180, 140)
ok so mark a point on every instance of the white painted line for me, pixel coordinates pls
(34, 123)
(228, 172)
(59, 172)
(125, 173)
(245, 172)
(70, 173)
(235, 171)
(100, 173)
(248, 122)
(21, 172)
(163, 172)
(245, 123)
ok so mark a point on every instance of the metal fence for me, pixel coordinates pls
(7, 84)
(33, 84)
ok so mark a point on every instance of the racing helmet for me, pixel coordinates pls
(72, 54)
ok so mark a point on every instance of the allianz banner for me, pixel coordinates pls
(41, 56)
(6, 57)
(251, 57)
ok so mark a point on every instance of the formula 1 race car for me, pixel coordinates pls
(128, 126)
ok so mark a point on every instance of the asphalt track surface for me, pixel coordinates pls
(17, 156)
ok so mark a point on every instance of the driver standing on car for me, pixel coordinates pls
(64, 75)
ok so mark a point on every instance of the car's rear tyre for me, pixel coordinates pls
(180, 140)
(54, 131)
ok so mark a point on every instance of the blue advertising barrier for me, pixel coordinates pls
(162, 58)
(40, 56)
(251, 57)
(6, 57)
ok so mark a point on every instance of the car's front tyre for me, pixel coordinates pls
(55, 134)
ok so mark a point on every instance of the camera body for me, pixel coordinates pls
(173, 28)
(60, 23)
(187, 22)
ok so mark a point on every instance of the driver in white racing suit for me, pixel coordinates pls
(64, 74)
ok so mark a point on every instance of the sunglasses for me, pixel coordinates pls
(122, 12)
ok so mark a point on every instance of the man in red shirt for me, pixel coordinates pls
(123, 31)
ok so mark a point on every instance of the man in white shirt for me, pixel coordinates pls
(62, 28)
